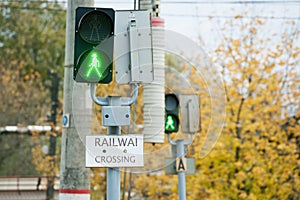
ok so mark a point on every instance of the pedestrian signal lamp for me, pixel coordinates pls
(171, 113)
(93, 47)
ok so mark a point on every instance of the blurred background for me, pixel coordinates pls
(255, 46)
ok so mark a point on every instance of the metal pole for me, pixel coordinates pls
(181, 175)
(124, 183)
(113, 174)
(129, 184)
(113, 186)
(52, 147)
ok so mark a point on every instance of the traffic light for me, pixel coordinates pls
(94, 41)
(171, 115)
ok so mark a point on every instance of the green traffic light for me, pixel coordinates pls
(171, 111)
(94, 65)
(170, 123)
(93, 45)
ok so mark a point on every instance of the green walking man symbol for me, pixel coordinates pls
(94, 65)
(170, 123)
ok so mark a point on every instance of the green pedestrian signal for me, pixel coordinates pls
(171, 117)
(170, 123)
(94, 66)
(93, 47)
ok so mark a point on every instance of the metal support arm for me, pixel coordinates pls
(103, 101)
(98, 100)
(128, 101)
(186, 142)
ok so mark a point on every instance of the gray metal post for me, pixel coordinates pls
(113, 174)
(180, 153)
(113, 186)
(181, 175)
(52, 146)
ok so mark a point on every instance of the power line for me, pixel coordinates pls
(33, 8)
(33, 1)
(230, 17)
(167, 14)
(166, 2)
(232, 2)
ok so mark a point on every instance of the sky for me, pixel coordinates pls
(204, 19)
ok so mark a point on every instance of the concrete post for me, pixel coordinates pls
(74, 177)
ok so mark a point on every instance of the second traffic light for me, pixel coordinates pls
(94, 42)
(171, 113)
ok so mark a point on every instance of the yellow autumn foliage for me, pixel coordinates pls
(257, 155)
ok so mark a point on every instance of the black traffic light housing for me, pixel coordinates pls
(171, 113)
(93, 47)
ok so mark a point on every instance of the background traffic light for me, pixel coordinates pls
(94, 41)
(172, 110)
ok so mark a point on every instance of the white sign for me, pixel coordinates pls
(114, 151)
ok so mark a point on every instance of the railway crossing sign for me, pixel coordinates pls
(115, 150)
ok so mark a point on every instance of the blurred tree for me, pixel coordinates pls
(32, 35)
(32, 41)
(258, 153)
